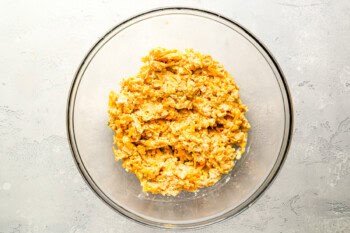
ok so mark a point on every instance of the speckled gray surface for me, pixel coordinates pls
(42, 44)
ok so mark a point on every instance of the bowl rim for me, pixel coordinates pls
(202, 223)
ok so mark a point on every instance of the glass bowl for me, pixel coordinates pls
(117, 55)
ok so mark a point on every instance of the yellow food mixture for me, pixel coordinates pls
(179, 123)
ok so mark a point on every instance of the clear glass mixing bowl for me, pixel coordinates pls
(117, 55)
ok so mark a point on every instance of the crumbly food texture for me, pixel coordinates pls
(179, 123)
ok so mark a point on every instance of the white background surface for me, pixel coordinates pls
(42, 44)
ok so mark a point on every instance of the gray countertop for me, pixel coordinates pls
(42, 44)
